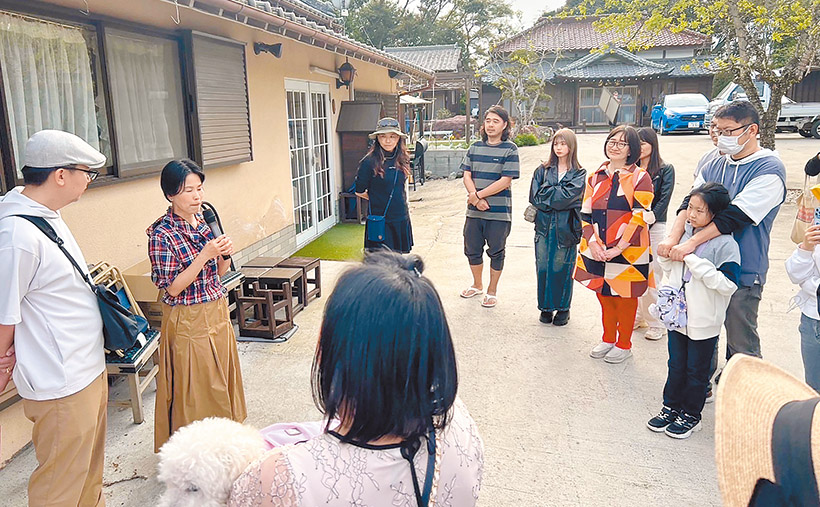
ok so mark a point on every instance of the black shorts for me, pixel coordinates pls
(493, 233)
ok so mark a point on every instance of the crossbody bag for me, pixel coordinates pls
(375, 223)
(121, 328)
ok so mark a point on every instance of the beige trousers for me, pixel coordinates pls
(69, 441)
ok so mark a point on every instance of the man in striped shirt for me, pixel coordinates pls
(489, 167)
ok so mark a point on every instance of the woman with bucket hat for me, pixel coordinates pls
(381, 180)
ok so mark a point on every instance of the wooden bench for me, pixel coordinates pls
(307, 264)
(361, 207)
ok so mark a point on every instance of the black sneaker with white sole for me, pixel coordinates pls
(684, 426)
(664, 418)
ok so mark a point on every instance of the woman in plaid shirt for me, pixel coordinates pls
(199, 372)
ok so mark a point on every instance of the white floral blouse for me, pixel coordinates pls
(327, 471)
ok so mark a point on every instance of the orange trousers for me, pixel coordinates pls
(618, 317)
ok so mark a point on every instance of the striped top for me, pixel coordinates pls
(487, 164)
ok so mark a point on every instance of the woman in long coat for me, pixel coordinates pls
(614, 254)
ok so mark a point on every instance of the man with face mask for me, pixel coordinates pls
(756, 180)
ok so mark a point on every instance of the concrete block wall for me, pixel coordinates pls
(443, 162)
(279, 244)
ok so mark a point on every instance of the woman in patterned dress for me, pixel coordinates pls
(390, 378)
(614, 255)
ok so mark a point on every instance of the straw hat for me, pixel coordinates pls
(749, 396)
(387, 125)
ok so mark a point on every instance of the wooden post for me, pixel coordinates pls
(468, 121)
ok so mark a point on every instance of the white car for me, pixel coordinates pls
(803, 118)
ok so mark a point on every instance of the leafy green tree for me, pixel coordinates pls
(472, 24)
(771, 40)
(521, 79)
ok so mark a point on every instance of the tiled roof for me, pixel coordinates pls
(572, 33)
(325, 8)
(338, 43)
(600, 65)
(443, 58)
(686, 67)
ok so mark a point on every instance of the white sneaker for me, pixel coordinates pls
(617, 355)
(655, 333)
(601, 350)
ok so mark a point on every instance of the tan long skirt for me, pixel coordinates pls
(199, 373)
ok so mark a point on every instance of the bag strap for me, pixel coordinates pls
(409, 448)
(687, 275)
(392, 191)
(49, 231)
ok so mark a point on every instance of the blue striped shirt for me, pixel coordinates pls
(487, 164)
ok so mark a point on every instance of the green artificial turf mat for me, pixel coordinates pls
(343, 242)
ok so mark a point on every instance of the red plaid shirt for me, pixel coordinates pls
(173, 245)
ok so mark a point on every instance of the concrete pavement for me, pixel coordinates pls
(559, 428)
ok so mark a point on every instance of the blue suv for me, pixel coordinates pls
(680, 112)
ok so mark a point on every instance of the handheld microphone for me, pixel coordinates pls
(210, 219)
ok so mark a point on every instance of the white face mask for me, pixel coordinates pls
(729, 144)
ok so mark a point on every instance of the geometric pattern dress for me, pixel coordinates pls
(613, 208)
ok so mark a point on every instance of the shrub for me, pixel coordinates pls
(525, 139)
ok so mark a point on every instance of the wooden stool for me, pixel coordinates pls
(132, 367)
(361, 208)
(275, 277)
(307, 264)
(265, 304)
(263, 262)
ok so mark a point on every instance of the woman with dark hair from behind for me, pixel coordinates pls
(199, 374)
(390, 379)
(663, 182)
(380, 179)
(556, 190)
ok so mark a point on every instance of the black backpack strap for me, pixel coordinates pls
(42, 224)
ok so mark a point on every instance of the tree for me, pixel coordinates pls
(472, 24)
(771, 40)
(522, 80)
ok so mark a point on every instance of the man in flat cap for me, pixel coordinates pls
(50, 323)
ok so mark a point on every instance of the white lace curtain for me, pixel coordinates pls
(47, 79)
(147, 98)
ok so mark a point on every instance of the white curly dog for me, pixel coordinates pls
(200, 462)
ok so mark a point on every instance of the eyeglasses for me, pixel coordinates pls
(617, 144)
(729, 132)
(90, 174)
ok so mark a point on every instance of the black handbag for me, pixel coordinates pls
(375, 223)
(120, 327)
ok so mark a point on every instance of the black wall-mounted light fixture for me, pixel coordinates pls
(346, 74)
(274, 49)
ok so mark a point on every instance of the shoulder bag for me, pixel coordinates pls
(806, 203)
(121, 328)
(671, 308)
(375, 223)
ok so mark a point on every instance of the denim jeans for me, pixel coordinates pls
(553, 266)
(688, 376)
(810, 350)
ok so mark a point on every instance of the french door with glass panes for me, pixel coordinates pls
(310, 158)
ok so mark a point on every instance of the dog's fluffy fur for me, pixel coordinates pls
(200, 461)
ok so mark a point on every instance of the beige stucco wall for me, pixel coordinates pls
(255, 198)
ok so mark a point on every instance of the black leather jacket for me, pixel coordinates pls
(558, 202)
(664, 184)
